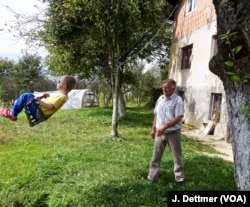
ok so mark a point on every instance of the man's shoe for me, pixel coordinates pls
(180, 182)
(152, 180)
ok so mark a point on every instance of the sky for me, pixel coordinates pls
(11, 47)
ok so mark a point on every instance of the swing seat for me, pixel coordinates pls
(40, 117)
(35, 120)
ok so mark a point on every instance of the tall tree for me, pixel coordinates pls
(96, 36)
(27, 74)
(232, 65)
(27, 71)
(7, 84)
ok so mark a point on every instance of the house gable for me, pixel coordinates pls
(186, 22)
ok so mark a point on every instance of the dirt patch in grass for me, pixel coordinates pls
(4, 139)
(217, 143)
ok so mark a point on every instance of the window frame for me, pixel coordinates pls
(214, 47)
(191, 5)
(215, 102)
(186, 57)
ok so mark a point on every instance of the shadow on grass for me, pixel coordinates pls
(40, 202)
(202, 174)
(136, 117)
(133, 189)
(124, 193)
(140, 116)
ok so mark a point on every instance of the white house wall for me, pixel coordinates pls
(198, 82)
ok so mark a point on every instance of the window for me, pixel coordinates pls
(191, 5)
(214, 48)
(186, 57)
(215, 106)
(181, 94)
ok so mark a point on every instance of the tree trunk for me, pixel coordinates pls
(117, 81)
(239, 131)
(234, 16)
(121, 105)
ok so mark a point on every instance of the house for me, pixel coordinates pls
(193, 45)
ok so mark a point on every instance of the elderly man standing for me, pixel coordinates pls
(167, 124)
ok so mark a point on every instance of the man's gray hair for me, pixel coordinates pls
(171, 81)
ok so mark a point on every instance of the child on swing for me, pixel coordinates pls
(47, 104)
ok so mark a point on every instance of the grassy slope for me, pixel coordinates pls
(71, 160)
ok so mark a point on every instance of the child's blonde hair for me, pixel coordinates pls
(70, 81)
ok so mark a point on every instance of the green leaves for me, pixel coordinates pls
(245, 107)
(94, 33)
(234, 77)
(246, 78)
(235, 74)
(237, 49)
(229, 63)
(226, 36)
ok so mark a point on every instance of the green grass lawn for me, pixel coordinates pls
(72, 161)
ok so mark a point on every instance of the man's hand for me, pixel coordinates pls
(153, 133)
(160, 131)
